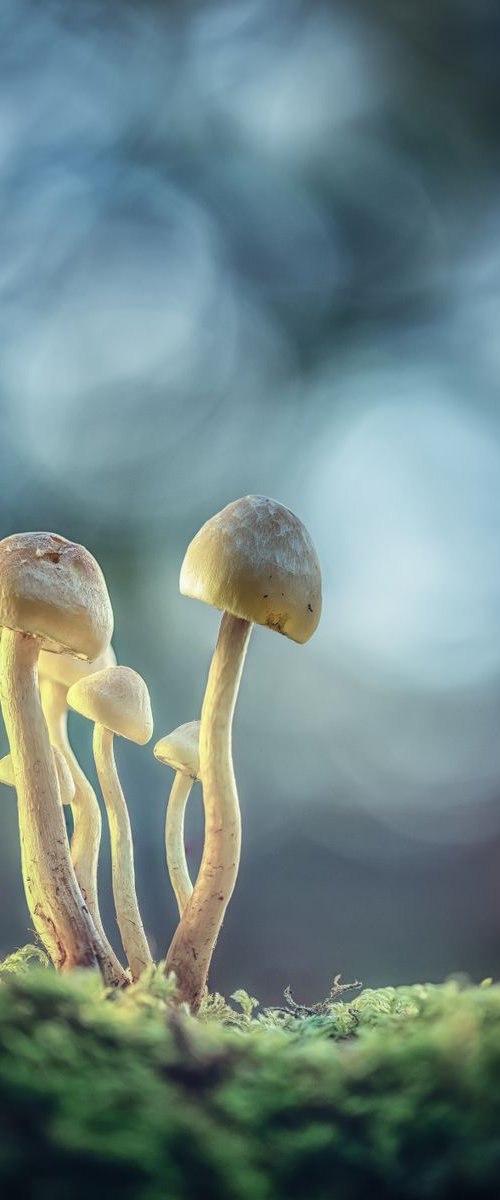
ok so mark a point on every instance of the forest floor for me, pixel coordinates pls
(393, 1093)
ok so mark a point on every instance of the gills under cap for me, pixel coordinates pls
(55, 591)
(116, 697)
(67, 670)
(256, 560)
(180, 749)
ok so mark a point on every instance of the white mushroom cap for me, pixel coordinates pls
(180, 749)
(255, 559)
(54, 590)
(66, 781)
(67, 670)
(116, 697)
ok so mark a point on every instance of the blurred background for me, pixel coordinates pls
(253, 247)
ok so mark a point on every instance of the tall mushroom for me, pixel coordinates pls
(53, 596)
(56, 674)
(180, 750)
(117, 700)
(256, 562)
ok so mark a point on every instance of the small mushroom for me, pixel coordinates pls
(57, 673)
(256, 562)
(53, 596)
(117, 700)
(180, 750)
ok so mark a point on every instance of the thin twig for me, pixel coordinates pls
(320, 1009)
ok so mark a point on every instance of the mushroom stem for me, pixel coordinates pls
(87, 823)
(52, 893)
(174, 839)
(194, 940)
(122, 855)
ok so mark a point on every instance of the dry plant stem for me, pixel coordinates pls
(122, 855)
(87, 823)
(196, 935)
(174, 839)
(54, 898)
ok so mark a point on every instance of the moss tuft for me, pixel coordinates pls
(393, 1094)
(23, 960)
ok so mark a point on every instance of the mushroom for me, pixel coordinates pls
(180, 750)
(117, 700)
(256, 562)
(53, 596)
(66, 784)
(57, 673)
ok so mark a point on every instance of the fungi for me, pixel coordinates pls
(180, 750)
(256, 561)
(53, 596)
(116, 699)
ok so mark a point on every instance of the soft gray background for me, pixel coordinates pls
(255, 247)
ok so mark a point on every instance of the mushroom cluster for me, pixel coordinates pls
(254, 561)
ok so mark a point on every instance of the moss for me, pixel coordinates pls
(394, 1094)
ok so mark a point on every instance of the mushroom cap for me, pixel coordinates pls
(66, 781)
(116, 697)
(255, 559)
(54, 590)
(67, 670)
(180, 749)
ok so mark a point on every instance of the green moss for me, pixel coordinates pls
(394, 1094)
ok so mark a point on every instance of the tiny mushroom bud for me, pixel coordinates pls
(117, 700)
(57, 673)
(256, 562)
(179, 750)
(53, 596)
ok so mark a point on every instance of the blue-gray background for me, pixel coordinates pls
(254, 247)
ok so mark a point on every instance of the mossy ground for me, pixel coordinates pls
(393, 1094)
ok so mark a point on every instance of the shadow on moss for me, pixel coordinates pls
(394, 1094)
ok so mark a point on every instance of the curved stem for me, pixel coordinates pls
(174, 839)
(54, 898)
(196, 935)
(87, 823)
(122, 855)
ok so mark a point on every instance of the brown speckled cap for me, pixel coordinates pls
(180, 749)
(117, 698)
(255, 559)
(67, 670)
(54, 590)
